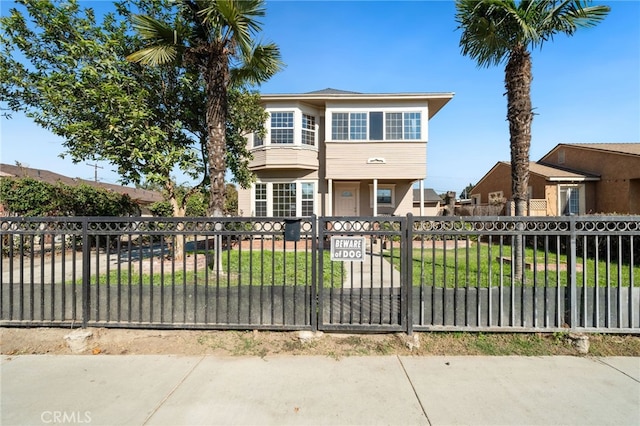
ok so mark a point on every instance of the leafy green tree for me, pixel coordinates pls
(214, 38)
(499, 31)
(69, 74)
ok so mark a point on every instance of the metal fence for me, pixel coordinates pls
(415, 273)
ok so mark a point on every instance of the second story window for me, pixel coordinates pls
(356, 126)
(308, 129)
(282, 127)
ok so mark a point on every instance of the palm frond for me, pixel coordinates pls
(262, 63)
(155, 55)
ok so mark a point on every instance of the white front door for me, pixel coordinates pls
(347, 199)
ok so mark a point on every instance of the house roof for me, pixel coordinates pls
(331, 91)
(319, 98)
(137, 194)
(557, 174)
(623, 148)
(430, 196)
(550, 173)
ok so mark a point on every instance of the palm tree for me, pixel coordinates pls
(495, 31)
(215, 38)
(498, 31)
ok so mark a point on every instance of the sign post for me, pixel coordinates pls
(349, 249)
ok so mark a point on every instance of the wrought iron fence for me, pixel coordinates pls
(416, 273)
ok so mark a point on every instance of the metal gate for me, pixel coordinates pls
(367, 293)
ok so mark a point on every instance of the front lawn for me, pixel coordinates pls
(481, 265)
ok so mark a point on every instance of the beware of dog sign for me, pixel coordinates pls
(351, 249)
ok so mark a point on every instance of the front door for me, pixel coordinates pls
(347, 199)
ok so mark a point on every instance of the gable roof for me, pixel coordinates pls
(550, 173)
(136, 194)
(622, 148)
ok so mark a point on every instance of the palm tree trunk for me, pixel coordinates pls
(520, 115)
(216, 77)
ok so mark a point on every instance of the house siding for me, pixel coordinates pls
(284, 157)
(358, 160)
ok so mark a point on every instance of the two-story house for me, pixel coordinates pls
(338, 153)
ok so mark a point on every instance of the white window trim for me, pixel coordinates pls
(297, 129)
(581, 197)
(424, 114)
(390, 186)
(298, 195)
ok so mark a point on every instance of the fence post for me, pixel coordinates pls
(86, 272)
(314, 303)
(571, 271)
(407, 236)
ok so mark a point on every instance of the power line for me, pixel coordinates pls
(95, 170)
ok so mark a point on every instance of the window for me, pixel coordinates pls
(412, 125)
(261, 199)
(376, 125)
(358, 126)
(385, 195)
(308, 194)
(570, 200)
(340, 126)
(282, 127)
(284, 199)
(308, 129)
(257, 140)
(394, 125)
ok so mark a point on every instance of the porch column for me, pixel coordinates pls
(421, 198)
(375, 197)
(329, 211)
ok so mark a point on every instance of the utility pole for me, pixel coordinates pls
(95, 170)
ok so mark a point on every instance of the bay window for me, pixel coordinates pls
(282, 127)
(284, 199)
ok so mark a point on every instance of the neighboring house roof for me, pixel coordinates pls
(320, 97)
(557, 174)
(137, 194)
(430, 196)
(550, 173)
(624, 148)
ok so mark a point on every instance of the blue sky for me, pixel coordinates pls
(586, 88)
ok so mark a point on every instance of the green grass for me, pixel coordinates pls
(480, 266)
(238, 268)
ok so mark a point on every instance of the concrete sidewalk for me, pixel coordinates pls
(302, 390)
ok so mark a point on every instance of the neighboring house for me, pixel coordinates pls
(573, 179)
(144, 198)
(431, 203)
(338, 153)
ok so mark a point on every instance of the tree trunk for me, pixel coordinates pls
(216, 77)
(177, 241)
(520, 116)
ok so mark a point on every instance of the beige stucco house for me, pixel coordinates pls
(338, 153)
(573, 179)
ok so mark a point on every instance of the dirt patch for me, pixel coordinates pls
(16, 341)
